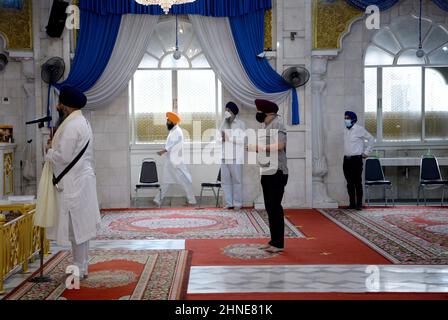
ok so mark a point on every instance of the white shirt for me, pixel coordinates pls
(233, 148)
(355, 140)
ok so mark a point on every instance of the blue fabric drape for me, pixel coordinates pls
(14, 4)
(248, 33)
(215, 8)
(443, 4)
(97, 37)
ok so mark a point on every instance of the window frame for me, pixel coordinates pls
(379, 125)
(175, 90)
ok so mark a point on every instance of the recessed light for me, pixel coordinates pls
(445, 49)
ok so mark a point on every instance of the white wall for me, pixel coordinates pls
(345, 91)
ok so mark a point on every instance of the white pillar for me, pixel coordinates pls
(320, 167)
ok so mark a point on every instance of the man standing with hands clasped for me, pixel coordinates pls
(355, 151)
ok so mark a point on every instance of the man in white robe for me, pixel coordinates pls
(175, 171)
(77, 205)
(233, 137)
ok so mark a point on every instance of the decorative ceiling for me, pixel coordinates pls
(16, 26)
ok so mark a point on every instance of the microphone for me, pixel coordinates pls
(40, 121)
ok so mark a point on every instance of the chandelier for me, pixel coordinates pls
(165, 4)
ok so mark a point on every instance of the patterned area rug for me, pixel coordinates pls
(115, 275)
(403, 235)
(188, 224)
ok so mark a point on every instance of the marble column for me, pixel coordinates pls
(320, 167)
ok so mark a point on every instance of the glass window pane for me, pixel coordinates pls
(200, 62)
(149, 62)
(155, 47)
(436, 103)
(410, 57)
(152, 99)
(376, 56)
(197, 100)
(371, 98)
(435, 39)
(385, 39)
(194, 48)
(440, 56)
(402, 88)
(170, 63)
(406, 29)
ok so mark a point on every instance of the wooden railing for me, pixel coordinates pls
(19, 240)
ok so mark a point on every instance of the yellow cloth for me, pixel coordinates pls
(173, 117)
(46, 206)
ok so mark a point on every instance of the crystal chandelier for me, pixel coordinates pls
(165, 4)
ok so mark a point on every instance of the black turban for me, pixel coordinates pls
(266, 106)
(72, 97)
(233, 107)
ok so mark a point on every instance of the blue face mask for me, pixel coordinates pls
(348, 123)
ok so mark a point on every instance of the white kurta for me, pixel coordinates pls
(78, 200)
(175, 171)
(232, 162)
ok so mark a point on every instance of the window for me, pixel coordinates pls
(161, 83)
(406, 97)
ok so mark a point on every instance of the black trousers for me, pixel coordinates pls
(273, 190)
(353, 167)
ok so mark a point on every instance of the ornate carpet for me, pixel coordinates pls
(115, 275)
(188, 224)
(403, 235)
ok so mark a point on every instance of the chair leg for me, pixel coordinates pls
(424, 195)
(385, 195)
(214, 193)
(200, 198)
(217, 198)
(368, 196)
(160, 197)
(418, 195)
(443, 195)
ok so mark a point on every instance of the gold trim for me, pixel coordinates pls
(8, 173)
(268, 30)
(331, 21)
(17, 27)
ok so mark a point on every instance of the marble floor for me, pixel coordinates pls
(285, 278)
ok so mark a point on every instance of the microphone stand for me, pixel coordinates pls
(41, 278)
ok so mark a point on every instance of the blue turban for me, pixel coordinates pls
(352, 116)
(72, 97)
(233, 107)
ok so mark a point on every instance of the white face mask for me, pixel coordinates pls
(227, 115)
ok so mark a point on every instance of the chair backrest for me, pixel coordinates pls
(374, 171)
(148, 173)
(219, 176)
(429, 169)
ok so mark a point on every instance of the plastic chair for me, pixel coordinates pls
(212, 186)
(374, 177)
(148, 177)
(430, 176)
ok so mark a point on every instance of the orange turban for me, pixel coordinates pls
(173, 117)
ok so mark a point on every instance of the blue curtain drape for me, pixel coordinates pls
(97, 37)
(443, 4)
(215, 8)
(248, 33)
(14, 4)
(386, 4)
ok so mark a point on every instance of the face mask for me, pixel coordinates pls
(261, 117)
(348, 123)
(227, 115)
(169, 126)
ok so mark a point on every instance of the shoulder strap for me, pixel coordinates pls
(70, 166)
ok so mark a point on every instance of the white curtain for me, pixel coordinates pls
(216, 39)
(132, 41)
